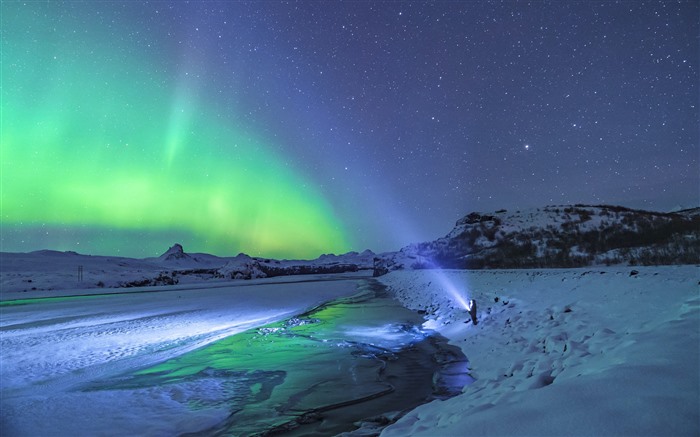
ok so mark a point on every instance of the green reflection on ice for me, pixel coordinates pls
(270, 376)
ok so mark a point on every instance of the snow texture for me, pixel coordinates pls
(53, 349)
(37, 272)
(604, 352)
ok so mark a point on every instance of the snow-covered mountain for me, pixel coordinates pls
(689, 212)
(175, 253)
(553, 236)
(559, 236)
(55, 270)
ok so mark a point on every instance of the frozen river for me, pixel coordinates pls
(235, 360)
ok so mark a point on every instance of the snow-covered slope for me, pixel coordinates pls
(559, 236)
(689, 212)
(554, 236)
(53, 270)
(176, 257)
(175, 253)
(610, 351)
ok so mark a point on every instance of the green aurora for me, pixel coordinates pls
(94, 138)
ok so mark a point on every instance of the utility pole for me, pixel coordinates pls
(80, 273)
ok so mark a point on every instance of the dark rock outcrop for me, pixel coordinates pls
(175, 253)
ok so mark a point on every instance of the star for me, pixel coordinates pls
(320, 102)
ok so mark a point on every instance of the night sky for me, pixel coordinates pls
(294, 129)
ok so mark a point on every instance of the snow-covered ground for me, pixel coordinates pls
(598, 351)
(604, 351)
(51, 348)
(49, 270)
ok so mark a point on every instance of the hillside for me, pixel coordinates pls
(246, 267)
(559, 236)
(54, 270)
(554, 236)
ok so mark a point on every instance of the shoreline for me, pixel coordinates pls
(450, 367)
(78, 319)
(561, 348)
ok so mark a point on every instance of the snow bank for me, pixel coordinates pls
(611, 351)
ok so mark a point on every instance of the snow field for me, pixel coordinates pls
(600, 351)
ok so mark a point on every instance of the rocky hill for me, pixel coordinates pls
(246, 267)
(553, 236)
(175, 253)
(559, 236)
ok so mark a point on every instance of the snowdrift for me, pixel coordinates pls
(612, 351)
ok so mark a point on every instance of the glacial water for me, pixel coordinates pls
(319, 373)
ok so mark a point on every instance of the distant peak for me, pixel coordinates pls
(176, 248)
(175, 252)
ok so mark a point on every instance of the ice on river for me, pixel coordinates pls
(52, 346)
(597, 351)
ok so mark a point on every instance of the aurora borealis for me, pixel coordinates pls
(91, 140)
(294, 129)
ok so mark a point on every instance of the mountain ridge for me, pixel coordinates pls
(559, 236)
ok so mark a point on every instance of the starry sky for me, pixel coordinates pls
(292, 129)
